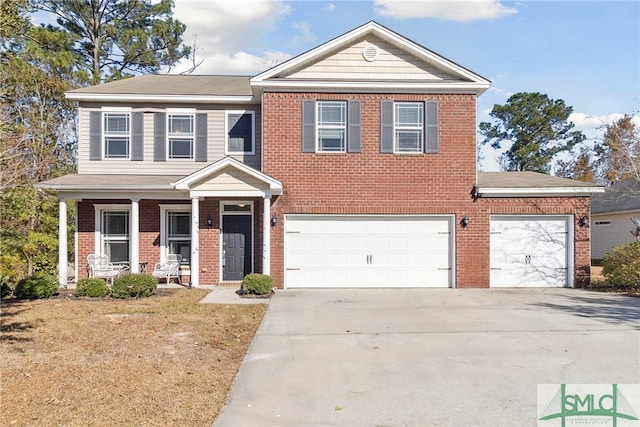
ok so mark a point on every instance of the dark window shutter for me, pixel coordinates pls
(308, 126)
(201, 137)
(353, 134)
(95, 135)
(431, 128)
(137, 136)
(160, 137)
(386, 127)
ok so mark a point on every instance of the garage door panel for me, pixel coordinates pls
(529, 251)
(367, 251)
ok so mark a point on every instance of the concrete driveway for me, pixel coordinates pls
(418, 357)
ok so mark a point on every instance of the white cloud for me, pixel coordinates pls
(305, 34)
(452, 10)
(330, 7)
(226, 30)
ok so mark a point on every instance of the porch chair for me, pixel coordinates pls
(101, 268)
(168, 269)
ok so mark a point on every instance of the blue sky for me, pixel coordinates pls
(584, 52)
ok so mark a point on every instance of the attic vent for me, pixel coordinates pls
(370, 53)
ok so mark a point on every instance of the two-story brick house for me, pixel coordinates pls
(352, 164)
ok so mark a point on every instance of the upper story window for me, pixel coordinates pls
(116, 134)
(408, 127)
(331, 126)
(240, 131)
(180, 134)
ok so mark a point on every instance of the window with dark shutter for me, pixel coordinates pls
(308, 126)
(159, 138)
(137, 136)
(353, 136)
(201, 137)
(95, 135)
(431, 145)
(386, 126)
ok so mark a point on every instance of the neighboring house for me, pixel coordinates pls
(611, 214)
(352, 164)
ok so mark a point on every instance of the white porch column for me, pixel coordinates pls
(135, 236)
(266, 234)
(195, 242)
(62, 241)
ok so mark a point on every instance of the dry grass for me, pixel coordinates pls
(159, 361)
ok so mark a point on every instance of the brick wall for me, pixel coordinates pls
(373, 183)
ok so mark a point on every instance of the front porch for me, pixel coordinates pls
(218, 220)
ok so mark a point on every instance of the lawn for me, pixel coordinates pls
(160, 361)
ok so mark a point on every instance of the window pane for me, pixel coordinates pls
(117, 250)
(408, 114)
(181, 247)
(409, 141)
(115, 224)
(331, 113)
(179, 224)
(237, 208)
(180, 148)
(180, 125)
(331, 139)
(240, 133)
(116, 123)
(116, 147)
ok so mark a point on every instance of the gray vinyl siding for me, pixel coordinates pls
(147, 166)
(605, 237)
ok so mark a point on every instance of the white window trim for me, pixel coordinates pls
(253, 132)
(120, 110)
(411, 128)
(253, 236)
(343, 127)
(99, 209)
(164, 236)
(180, 111)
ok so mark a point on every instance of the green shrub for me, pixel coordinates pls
(36, 286)
(92, 288)
(621, 266)
(257, 284)
(134, 286)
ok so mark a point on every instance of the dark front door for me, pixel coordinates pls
(236, 246)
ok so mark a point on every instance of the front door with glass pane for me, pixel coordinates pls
(236, 246)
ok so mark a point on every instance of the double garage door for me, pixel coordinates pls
(416, 251)
(367, 251)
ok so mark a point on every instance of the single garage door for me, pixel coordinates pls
(529, 251)
(367, 251)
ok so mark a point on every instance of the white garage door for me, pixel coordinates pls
(367, 251)
(529, 251)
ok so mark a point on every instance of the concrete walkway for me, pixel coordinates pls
(229, 295)
(420, 357)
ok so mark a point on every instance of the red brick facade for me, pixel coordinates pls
(373, 183)
(367, 182)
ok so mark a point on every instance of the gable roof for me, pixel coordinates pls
(620, 197)
(169, 88)
(531, 184)
(191, 181)
(463, 81)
